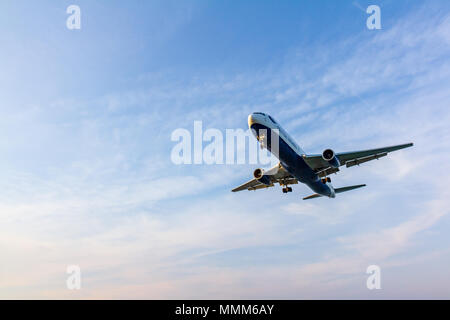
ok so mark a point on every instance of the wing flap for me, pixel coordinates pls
(348, 156)
(260, 186)
(248, 185)
(358, 161)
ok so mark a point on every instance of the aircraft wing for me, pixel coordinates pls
(349, 159)
(279, 175)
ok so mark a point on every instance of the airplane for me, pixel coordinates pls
(297, 166)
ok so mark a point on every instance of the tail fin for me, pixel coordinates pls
(337, 190)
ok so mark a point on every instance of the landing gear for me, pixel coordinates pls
(287, 189)
(325, 180)
(262, 140)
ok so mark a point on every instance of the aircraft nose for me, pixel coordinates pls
(251, 120)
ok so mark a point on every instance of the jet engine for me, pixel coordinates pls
(329, 156)
(259, 175)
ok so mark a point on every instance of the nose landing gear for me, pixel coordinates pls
(262, 140)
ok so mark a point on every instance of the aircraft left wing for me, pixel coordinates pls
(277, 175)
(250, 185)
(349, 159)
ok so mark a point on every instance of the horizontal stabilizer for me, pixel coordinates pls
(344, 189)
(315, 195)
(337, 190)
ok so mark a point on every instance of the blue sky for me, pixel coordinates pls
(85, 123)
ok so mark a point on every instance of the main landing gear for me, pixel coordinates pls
(325, 180)
(287, 189)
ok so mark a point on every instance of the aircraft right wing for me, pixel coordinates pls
(349, 159)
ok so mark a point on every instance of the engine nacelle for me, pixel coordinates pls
(329, 156)
(259, 175)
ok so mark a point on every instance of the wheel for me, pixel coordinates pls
(328, 179)
(285, 190)
(289, 189)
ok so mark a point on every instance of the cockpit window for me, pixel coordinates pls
(272, 119)
(259, 113)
